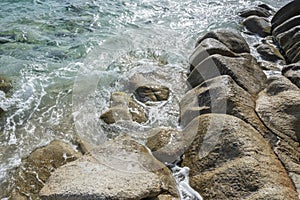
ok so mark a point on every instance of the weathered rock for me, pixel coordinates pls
(287, 25)
(288, 38)
(123, 107)
(230, 160)
(269, 52)
(258, 25)
(207, 47)
(166, 144)
(220, 95)
(293, 51)
(34, 171)
(278, 106)
(118, 169)
(292, 72)
(232, 39)
(288, 11)
(245, 71)
(5, 85)
(257, 11)
(152, 93)
(267, 7)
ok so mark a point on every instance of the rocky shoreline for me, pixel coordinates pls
(240, 129)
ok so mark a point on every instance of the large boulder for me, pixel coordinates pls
(287, 25)
(232, 39)
(269, 52)
(278, 106)
(207, 47)
(288, 11)
(293, 52)
(258, 25)
(118, 169)
(35, 170)
(288, 38)
(292, 72)
(229, 159)
(220, 95)
(245, 71)
(123, 107)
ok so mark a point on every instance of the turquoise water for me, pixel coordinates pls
(57, 52)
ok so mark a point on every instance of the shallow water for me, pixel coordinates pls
(65, 57)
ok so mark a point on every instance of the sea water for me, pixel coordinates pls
(65, 57)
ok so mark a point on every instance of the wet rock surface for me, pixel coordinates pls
(257, 11)
(123, 107)
(35, 170)
(118, 169)
(152, 93)
(258, 25)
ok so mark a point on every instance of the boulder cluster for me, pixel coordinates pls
(239, 128)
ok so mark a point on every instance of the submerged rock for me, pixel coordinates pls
(229, 159)
(118, 169)
(232, 39)
(123, 107)
(5, 85)
(245, 71)
(35, 170)
(258, 25)
(152, 93)
(278, 106)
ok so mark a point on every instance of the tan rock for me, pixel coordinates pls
(245, 71)
(152, 93)
(229, 159)
(118, 169)
(34, 171)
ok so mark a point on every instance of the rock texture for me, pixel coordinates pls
(292, 72)
(220, 95)
(256, 11)
(230, 160)
(5, 85)
(232, 39)
(258, 25)
(152, 93)
(279, 108)
(123, 107)
(118, 169)
(285, 29)
(34, 171)
(244, 71)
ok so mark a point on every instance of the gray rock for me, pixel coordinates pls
(292, 72)
(267, 7)
(231, 38)
(293, 51)
(278, 106)
(288, 11)
(287, 39)
(221, 95)
(286, 25)
(123, 107)
(258, 25)
(118, 169)
(269, 52)
(207, 47)
(35, 170)
(257, 11)
(245, 71)
(152, 93)
(229, 159)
